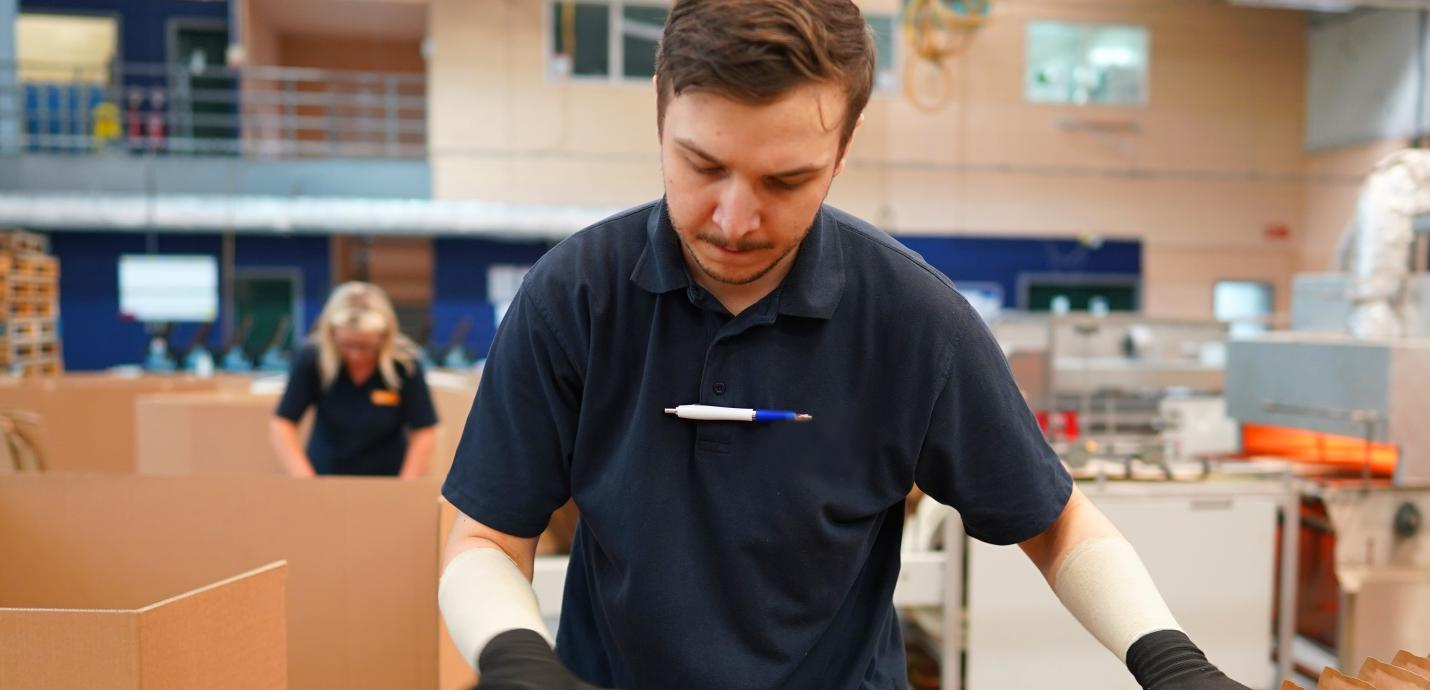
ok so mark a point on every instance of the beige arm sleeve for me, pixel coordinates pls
(482, 594)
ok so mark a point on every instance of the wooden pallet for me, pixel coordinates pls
(28, 330)
(23, 352)
(22, 242)
(52, 366)
(17, 286)
(38, 266)
(28, 309)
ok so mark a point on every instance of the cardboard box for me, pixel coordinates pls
(225, 636)
(362, 557)
(226, 432)
(1331, 679)
(1411, 662)
(452, 396)
(209, 433)
(87, 420)
(1388, 677)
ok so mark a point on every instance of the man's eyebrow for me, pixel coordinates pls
(690, 146)
(793, 172)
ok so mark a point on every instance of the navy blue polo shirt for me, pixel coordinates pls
(359, 428)
(742, 555)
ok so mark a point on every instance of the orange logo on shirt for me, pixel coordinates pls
(385, 398)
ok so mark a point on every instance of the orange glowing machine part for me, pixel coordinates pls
(1319, 448)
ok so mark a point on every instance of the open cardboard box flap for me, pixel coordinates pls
(362, 559)
(229, 635)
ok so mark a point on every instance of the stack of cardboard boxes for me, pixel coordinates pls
(1405, 672)
(29, 305)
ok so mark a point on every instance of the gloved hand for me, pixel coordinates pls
(1167, 660)
(521, 660)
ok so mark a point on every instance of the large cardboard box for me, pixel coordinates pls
(452, 396)
(362, 557)
(226, 432)
(208, 433)
(91, 630)
(87, 420)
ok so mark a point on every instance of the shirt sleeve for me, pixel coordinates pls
(512, 467)
(304, 385)
(417, 400)
(984, 454)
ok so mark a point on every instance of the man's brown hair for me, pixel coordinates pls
(755, 51)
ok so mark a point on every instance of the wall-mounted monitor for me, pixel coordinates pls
(168, 288)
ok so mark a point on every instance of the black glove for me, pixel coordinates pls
(521, 660)
(1167, 660)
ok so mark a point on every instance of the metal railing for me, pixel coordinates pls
(176, 109)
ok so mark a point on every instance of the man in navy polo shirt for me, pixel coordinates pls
(737, 554)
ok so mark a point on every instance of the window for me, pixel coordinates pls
(612, 41)
(1085, 64)
(616, 40)
(65, 48)
(886, 37)
(1246, 305)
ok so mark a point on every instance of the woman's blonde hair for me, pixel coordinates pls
(366, 308)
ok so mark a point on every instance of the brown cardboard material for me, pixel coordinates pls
(229, 635)
(208, 433)
(1416, 664)
(87, 420)
(1388, 677)
(1331, 679)
(362, 558)
(1288, 685)
(452, 397)
(225, 432)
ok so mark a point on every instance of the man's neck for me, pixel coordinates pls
(738, 298)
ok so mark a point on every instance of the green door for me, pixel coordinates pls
(208, 105)
(1080, 296)
(266, 300)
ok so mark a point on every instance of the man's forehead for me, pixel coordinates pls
(803, 126)
(815, 109)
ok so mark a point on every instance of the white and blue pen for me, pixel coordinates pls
(711, 413)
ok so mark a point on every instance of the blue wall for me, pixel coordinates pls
(1002, 260)
(143, 24)
(96, 337)
(459, 286)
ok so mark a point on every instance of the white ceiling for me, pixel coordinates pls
(398, 19)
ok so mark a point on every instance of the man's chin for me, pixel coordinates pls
(733, 275)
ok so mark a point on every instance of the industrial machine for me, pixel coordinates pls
(1344, 395)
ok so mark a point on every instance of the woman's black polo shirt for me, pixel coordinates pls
(358, 429)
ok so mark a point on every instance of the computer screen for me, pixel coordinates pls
(168, 288)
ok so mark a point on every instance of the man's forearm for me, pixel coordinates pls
(1100, 579)
(483, 593)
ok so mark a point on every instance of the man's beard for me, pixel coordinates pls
(717, 242)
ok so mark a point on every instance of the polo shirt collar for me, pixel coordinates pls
(812, 289)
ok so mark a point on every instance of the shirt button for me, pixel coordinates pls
(719, 389)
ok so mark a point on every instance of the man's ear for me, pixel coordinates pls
(844, 155)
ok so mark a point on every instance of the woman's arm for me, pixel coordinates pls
(420, 443)
(283, 434)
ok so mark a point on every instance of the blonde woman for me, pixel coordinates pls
(374, 412)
